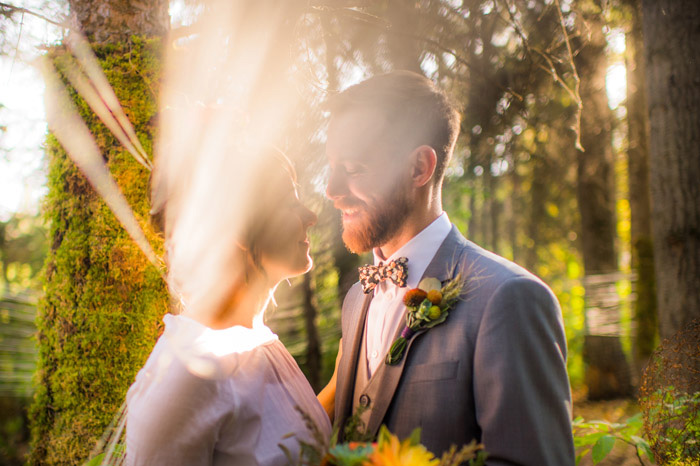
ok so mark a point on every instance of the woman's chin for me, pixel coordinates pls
(309, 264)
(304, 266)
(300, 268)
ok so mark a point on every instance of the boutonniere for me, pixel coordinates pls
(427, 306)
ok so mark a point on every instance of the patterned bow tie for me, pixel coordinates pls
(372, 275)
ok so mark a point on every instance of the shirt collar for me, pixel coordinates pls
(420, 249)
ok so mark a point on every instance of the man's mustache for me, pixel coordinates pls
(348, 204)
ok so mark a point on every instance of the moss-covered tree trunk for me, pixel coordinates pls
(104, 301)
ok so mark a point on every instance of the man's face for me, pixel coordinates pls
(369, 179)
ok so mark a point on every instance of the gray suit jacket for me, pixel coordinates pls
(495, 371)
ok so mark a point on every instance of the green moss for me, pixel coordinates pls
(645, 305)
(103, 301)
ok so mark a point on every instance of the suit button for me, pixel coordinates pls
(364, 401)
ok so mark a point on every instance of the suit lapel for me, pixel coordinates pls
(384, 381)
(348, 368)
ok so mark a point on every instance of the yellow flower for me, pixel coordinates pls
(434, 312)
(396, 453)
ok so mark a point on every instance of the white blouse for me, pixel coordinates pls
(219, 397)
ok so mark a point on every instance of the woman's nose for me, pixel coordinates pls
(310, 217)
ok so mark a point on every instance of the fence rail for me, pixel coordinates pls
(18, 350)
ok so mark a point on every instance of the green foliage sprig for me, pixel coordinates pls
(599, 437)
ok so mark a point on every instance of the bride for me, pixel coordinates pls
(219, 386)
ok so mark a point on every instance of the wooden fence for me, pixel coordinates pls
(18, 349)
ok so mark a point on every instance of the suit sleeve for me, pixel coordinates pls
(521, 387)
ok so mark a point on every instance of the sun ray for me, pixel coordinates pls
(73, 134)
(98, 93)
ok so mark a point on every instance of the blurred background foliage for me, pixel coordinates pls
(534, 80)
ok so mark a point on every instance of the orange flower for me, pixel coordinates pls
(397, 453)
(414, 297)
(435, 296)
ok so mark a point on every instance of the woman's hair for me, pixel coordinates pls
(216, 199)
(275, 170)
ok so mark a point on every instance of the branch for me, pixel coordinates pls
(550, 68)
(7, 10)
(458, 58)
(577, 80)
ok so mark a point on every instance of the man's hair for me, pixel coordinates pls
(416, 110)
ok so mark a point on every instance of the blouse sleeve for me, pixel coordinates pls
(174, 417)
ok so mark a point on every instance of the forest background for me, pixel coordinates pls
(548, 172)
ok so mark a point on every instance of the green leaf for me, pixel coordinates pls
(384, 436)
(96, 461)
(334, 437)
(600, 425)
(643, 447)
(635, 420)
(414, 438)
(343, 455)
(602, 447)
(588, 439)
(396, 351)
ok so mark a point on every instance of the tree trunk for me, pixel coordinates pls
(104, 301)
(607, 371)
(512, 209)
(537, 213)
(472, 209)
(313, 344)
(115, 21)
(404, 53)
(640, 200)
(495, 216)
(671, 38)
(486, 206)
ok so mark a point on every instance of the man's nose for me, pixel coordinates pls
(336, 187)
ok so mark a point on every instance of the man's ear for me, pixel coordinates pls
(424, 162)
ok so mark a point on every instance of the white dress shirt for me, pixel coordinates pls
(386, 311)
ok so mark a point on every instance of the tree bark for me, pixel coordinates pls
(313, 343)
(639, 194)
(671, 38)
(537, 213)
(486, 206)
(404, 53)
(115, 21)
(607, 371)
(512, 211)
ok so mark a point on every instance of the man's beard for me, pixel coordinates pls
(379, 224)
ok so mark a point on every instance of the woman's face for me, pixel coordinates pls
(284, 243)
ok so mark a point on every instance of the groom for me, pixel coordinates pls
(495, 370)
